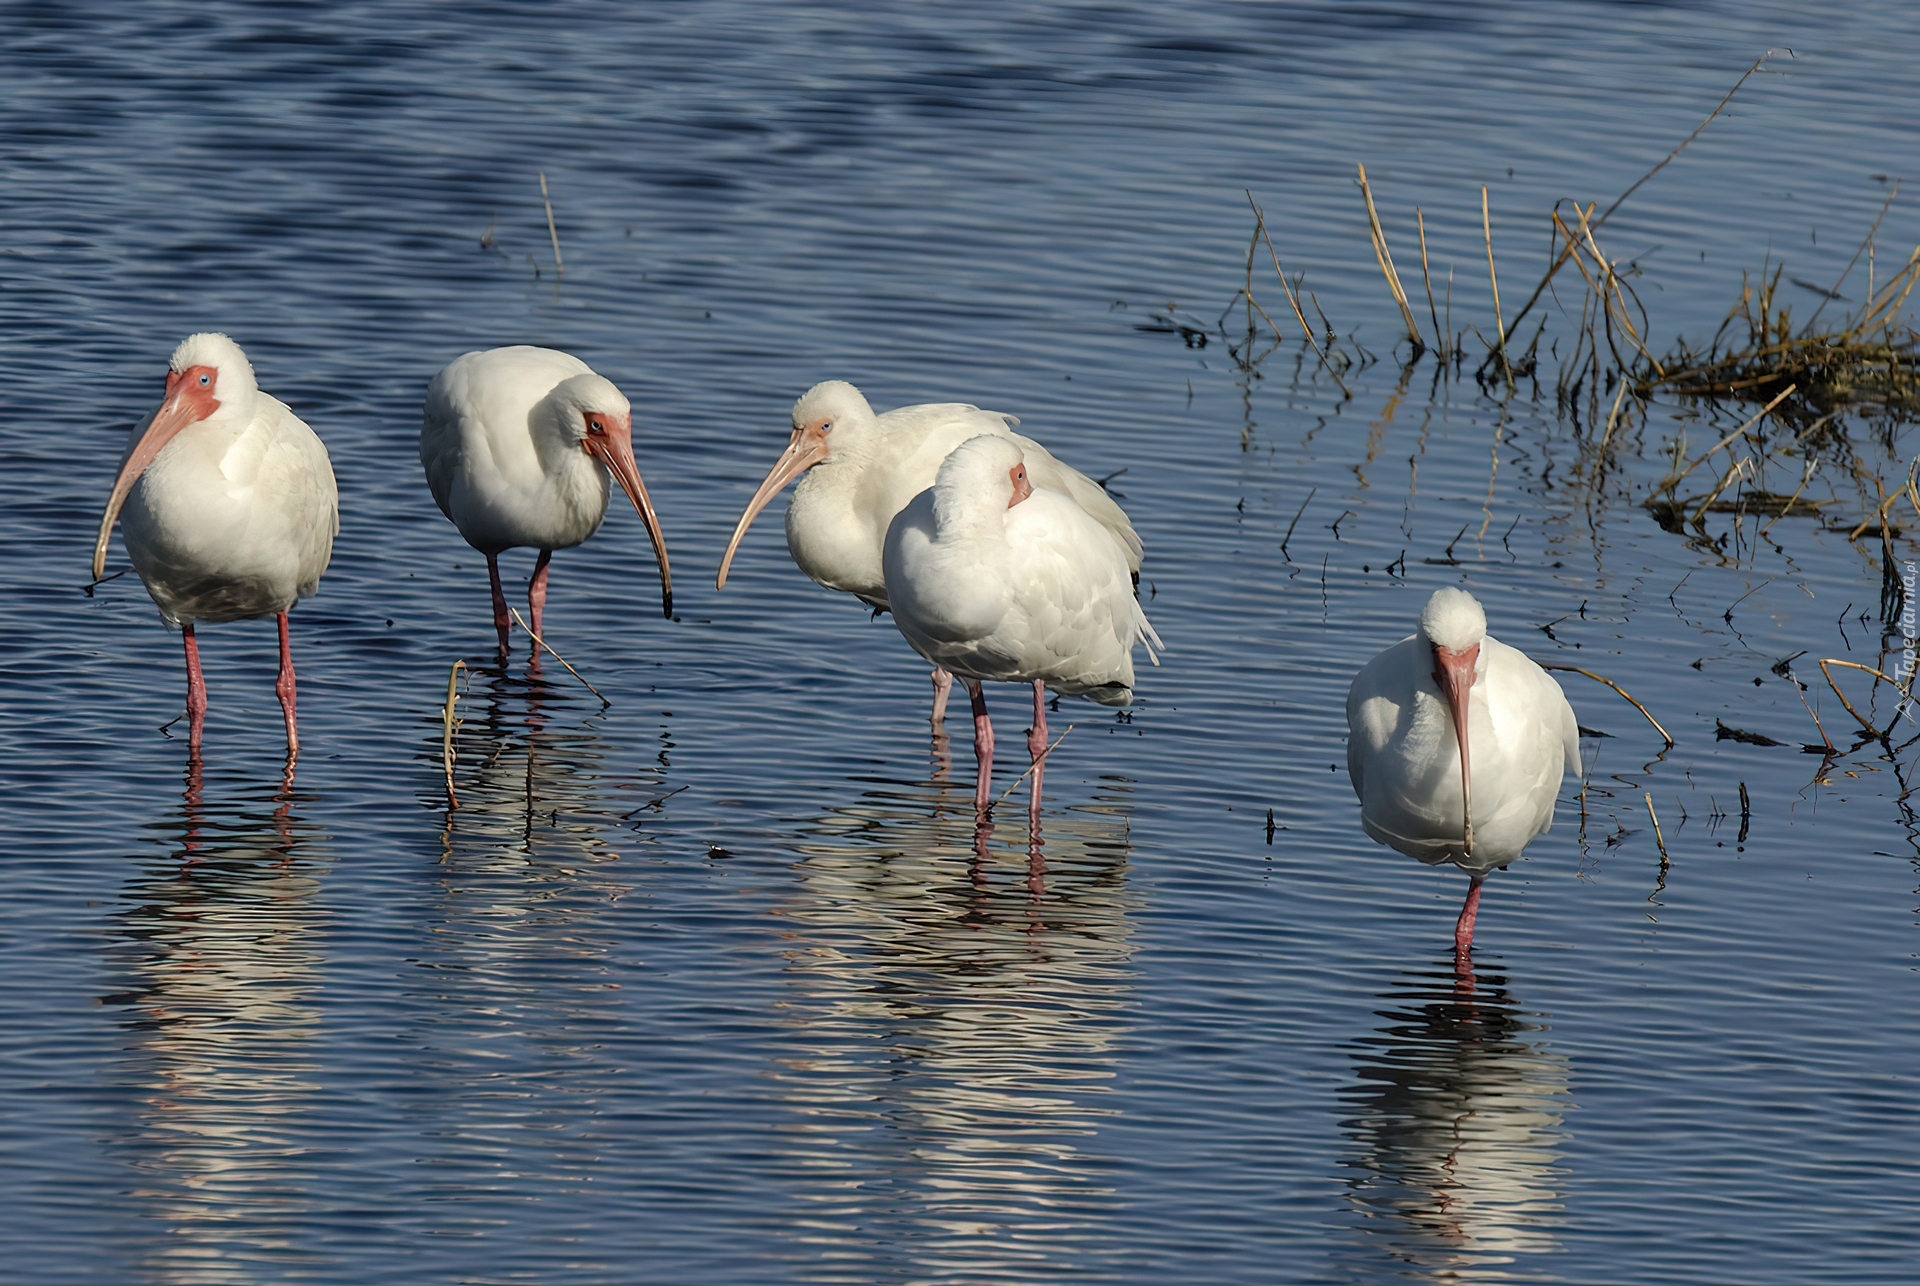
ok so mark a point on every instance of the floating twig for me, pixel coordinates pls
(1601, 678)
(559, 268)
(1038, 760)
(1826, 661)
(655, 803)
(92, 585)
(515, 612)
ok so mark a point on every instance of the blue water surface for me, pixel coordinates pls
(705, 985)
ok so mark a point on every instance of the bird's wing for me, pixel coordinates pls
(1046, 470)
(441, 435)
(296, 479)
(1374, 703)
(1071, 579)
(917, 440)
(1531, 700)
(1569, 725)
(475, 415)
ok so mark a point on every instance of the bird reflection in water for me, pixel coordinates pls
(1457, 1127)
(954, 1028)
(217, 953)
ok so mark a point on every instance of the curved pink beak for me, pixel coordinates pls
(615, 450)
(186, 402)
(1453, 671)
(807, 448)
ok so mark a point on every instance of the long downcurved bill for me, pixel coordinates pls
(183, 405)
(1453, 671)
(807, 448)
(616, 452)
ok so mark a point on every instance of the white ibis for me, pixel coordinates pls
(994, 576)
(1456, 744)
(517, 444)
(860, 469)
(230, 509)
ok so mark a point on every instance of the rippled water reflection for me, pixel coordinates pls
(716, 982)
(958, 1013)
(218, 952)
(1458, 1130)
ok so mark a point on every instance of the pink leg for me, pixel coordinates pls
(196, 692)
(537, 604)
(1463, 931)
(499, 604)
(942, 685)
(283, 687)
(982, 744)
(537, 594)
(1037, 750)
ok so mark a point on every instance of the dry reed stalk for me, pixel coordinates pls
(1888, 306)
(1739, 468)
(1879, 514)
(1486, 226)
(1669, 486)
(559, 268)
(1808, 707)
(1260, 225)
(1865, 242)
(1385, 256)
(448, 755)
(1617, 397)
(1619, 295)
(556, 656)
(1601, 678)
(1855, 665)
(1635, 186)
(1806, 476)
(1439, 336)
(1658, 838)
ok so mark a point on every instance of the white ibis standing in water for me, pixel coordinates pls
(230, 509)
(857, 470)
(994, 576)
(1456, 744)
(517, 444)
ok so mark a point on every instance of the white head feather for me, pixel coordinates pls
(1453, 619)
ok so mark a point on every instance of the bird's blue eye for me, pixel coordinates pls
(205, 380)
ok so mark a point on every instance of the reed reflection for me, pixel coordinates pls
(960, 993)
(1457, 1130)
(532, 776)
(218, 953)
(515, 986)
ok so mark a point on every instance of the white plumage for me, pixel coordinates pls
(1021, 589)
(1408, 713)
(517, 444)
(228, 504)
(994, 577)
(858, 470)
